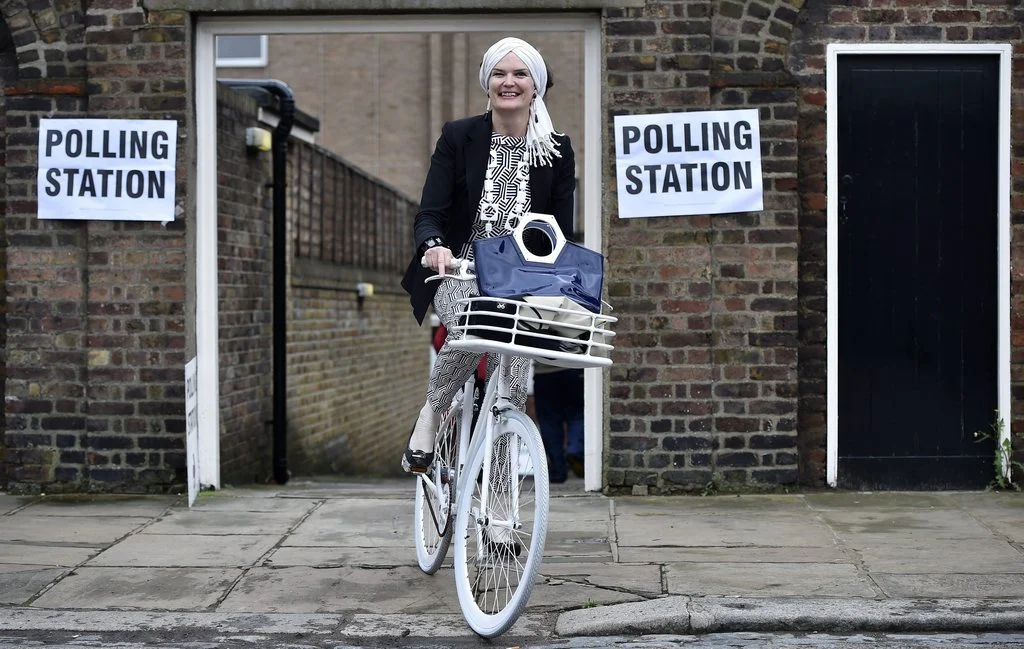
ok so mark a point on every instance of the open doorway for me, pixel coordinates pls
(459, 34)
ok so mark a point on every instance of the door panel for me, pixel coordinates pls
(917, 269)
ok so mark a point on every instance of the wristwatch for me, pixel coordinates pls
(431, 242)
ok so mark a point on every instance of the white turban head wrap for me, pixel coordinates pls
(541, 146)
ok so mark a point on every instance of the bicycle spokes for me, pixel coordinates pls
(504, 526)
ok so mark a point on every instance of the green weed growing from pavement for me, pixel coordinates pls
(1002, 460)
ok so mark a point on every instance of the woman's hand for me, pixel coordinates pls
(438, 259)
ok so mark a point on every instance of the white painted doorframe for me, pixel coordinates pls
(206, 315)
(835, 50)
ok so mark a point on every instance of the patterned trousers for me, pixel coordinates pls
(453, 366)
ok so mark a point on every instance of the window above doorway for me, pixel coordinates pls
(245, 51)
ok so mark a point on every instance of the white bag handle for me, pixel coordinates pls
(556, 245)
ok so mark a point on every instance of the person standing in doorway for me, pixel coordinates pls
(558, 400)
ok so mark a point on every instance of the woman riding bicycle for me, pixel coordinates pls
(485, 173)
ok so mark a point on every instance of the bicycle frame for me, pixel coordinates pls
(497, 399)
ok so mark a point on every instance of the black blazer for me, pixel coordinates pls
(451, 195)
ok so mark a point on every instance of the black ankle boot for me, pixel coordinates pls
(416, 461)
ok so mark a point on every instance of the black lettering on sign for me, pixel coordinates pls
(741, 135)
(630, 135)
(53, 138)
(652, 139)
(635, 185)
(73, 143)
(95, 183)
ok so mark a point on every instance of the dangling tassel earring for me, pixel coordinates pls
(488, 103)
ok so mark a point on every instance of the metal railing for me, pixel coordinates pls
(345, 216)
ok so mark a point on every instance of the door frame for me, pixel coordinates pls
(1004, 51)
(206, 315)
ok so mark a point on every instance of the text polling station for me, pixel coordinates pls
(671, 164)
(109, 169)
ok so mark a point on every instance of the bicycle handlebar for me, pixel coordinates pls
(462, 270)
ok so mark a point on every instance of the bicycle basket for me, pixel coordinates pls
(567, 337)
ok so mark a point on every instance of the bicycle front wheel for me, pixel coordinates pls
(433, 515)
(499, 545)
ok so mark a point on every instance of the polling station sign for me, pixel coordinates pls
(671, 164)
(107, 169)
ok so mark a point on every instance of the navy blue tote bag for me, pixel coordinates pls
(543, 265)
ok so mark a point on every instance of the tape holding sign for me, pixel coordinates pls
(107, 169)
(673, 164)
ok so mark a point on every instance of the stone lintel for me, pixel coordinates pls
(382, 6)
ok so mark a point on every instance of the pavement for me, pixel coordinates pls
(336, 557)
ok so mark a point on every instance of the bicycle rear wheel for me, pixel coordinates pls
(498, 551)
(433, 516)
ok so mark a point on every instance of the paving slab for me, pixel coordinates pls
(237, 503)
(304, 589)
(876, 500)
(328, 557)
(156, 589)
(19, 583)
(952, 585)
(171, 550)
(927, 523)
(10, 503)
(390, 488)
(562, 593)
(686, 505)
(739, 554)
(767, 580)
(45, 555)
(116, 506)
(901, 553)
(778, 530)
(86, 530)
(225, 522)
(637, 579)
(357, 523)
(583, 508)
(582, 528)
(562, 552)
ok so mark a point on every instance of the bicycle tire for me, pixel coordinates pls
(492, 579)
(433, 513)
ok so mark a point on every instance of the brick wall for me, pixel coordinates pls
(245, 284)
(704, 391)
(96, 329)
(357, 373)
(8, 74)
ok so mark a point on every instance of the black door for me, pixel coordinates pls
(917, 270)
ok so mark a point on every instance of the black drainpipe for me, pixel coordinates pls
(286, 118)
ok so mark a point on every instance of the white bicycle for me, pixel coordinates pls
(489, 491)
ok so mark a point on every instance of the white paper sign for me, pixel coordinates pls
(671, 164)
(107, 169)
(192, 429)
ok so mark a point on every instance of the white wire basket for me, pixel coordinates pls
(554, 335)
